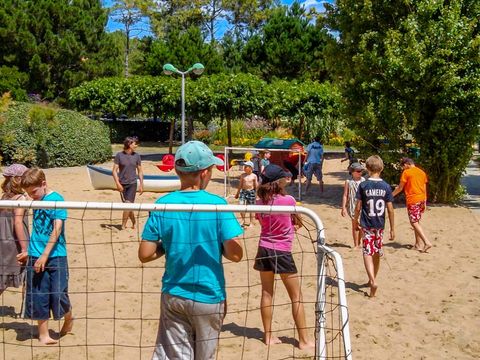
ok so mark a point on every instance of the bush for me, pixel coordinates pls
(38, 135)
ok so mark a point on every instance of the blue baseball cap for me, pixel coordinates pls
(194, 156)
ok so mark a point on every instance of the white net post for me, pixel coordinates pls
(331, 342)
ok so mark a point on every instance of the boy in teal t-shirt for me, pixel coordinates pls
(47, 266)
(193, 284)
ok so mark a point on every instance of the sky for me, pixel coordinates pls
(143, 28)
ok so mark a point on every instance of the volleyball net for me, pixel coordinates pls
(116, 299)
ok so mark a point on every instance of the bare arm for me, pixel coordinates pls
(399, 189)
(344, 199)
(240, 187)
(233, 250)
(140, 177)
(20, 234)
(391, 220)
(39, 265)
(115, 177)
(149, 251)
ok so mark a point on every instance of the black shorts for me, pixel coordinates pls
(279, 262)
(128, 193)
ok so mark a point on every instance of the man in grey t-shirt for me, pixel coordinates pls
(126, 165)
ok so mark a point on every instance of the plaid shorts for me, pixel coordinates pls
(372, 241)
(415, 211)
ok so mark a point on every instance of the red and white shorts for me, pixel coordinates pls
(372, 241)
(415, 211)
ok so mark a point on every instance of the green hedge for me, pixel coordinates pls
(37, 135)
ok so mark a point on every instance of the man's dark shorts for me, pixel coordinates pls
(129, 192)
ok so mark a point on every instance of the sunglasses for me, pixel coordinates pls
(357, 171)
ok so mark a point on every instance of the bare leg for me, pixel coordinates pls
(370, 268)
(43, 335)
(243, 218)
(267, 278)
(125, 216)
(376, 264)
(355, 235)
(252, 219)
(309, 182)
(419, 233)
(67, 324)
(131, 215)
(295, 293)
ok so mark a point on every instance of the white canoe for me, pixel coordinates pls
(102, 178)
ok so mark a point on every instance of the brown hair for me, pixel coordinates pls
(129, 140)
(267, 191)
(406, 160)
(11, 186)
(33, 177)
(374, 164)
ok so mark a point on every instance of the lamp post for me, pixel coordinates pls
(169, 69)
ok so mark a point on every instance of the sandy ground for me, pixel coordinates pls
(427, 305)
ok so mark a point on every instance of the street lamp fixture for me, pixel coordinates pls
(197, 69)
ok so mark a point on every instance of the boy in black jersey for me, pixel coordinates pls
(374, 197)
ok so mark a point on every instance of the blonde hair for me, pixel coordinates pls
(33, 177)
(11, 186)
(374, 164)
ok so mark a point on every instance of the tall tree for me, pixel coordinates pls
(129, 14)
(412, 70)
(247, 16)
(182, 49)
(174, 15)
(50, 40)
(288, 46)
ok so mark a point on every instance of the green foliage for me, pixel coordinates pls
(309, 108)
(146, 95)
(49, 40)
(47, 137)
(288, 46)
(13, 81)
(244, 133)
(411, 69)
(182, 49)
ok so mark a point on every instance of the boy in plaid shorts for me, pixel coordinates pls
(374, 196)
(414, 182)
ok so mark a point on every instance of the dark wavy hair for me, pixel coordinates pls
(267, 191)
(129, 140)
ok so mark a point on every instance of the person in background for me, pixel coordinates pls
(126, 165)
(414, 182)
(349, 200)
(14, 234)
(314, 163)
(247, 190)
(349, 154)
(374, 199)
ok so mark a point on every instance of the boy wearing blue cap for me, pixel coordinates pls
(193, 285)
